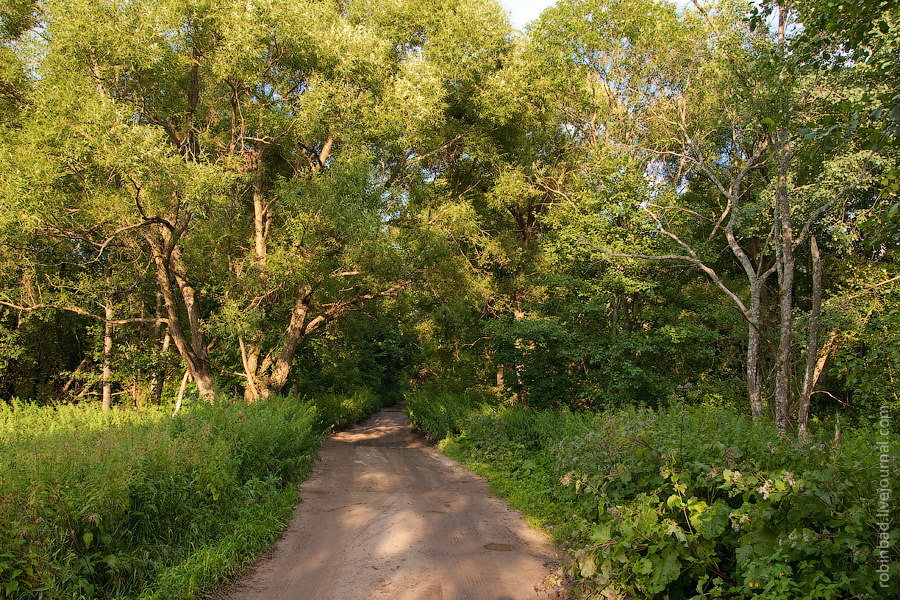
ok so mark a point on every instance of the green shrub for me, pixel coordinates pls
(695, 502)
(439, 413)
(338, 410)
(700, 502)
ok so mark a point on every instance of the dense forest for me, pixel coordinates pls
(623, 199)
(627, 206)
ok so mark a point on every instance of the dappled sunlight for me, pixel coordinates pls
(386, 516)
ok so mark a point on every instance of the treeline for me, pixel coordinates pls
(251, 198)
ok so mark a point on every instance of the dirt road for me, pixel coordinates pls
(386, 516)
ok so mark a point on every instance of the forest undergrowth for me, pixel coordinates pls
(688, 500)
(141, 504)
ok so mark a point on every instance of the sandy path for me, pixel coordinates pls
(386, 516)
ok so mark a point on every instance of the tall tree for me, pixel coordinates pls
(707, 105)
(251, 153)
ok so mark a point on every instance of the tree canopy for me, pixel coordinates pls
(625, 198)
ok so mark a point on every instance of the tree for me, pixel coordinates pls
(251, 154)
(707, 105)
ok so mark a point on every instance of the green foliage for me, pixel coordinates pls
(337, 410)
(538, 350)
(255, 527)
(106, 505)
(695, 502)
(438, 412)
(866, 362)
(38, 353)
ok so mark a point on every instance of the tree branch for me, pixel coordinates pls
(341, 308)
(82, 312)
(710, 272)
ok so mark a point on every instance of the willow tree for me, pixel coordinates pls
(251, 153)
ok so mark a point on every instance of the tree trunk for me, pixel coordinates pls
(297, 329)
(753, 339)
(181, 388)
(809, 380)
(785, 247)
(250, 361)
(192, 350)
(292, 338)
(260, 215)
(107, 352)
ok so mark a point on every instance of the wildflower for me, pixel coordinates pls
(764, 489)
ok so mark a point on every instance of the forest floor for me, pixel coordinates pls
(385, 515)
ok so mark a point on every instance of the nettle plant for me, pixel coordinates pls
(696, 503)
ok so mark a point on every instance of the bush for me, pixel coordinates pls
(696, 502)
(700, 502)
(439, 413)
(336, 410)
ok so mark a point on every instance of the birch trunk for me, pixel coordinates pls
(809, 380)
(107, 352)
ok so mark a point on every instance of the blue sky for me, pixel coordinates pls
(523, 11)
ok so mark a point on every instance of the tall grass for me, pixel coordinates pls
(439, 413)
(129, 504)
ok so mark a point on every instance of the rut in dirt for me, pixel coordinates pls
(386, 516)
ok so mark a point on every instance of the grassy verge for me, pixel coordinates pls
(132, 504)
(691, 502)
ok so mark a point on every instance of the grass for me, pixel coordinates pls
(139, 504)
